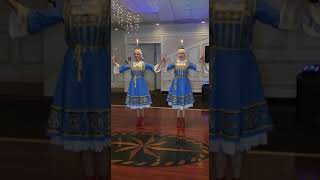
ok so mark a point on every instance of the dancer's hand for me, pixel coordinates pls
(202, 55)
(202, 60)
(114, 60)
(20, 9)
(13, 4)
(163, 59)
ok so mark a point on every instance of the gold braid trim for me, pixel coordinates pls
(77, 54)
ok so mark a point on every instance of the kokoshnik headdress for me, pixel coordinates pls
(181, 45)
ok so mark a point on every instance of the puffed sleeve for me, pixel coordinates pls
(311, 20)
(26, 21)
(291, 14)
(169, 67)
(301, 15)
(266, 14)
(156, 68)
(199, 67)
(117, 69)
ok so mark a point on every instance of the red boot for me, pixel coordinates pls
(183, 122)
(138, 122)
(178, 122)
(141, 121)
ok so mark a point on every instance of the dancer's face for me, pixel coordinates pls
(181, 54)
(137, 55)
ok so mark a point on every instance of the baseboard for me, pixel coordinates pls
(281, 101)
(32, 89)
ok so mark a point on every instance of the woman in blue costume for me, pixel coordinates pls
(138, 96)
(239, 113)
(180, 96)
(80, 113)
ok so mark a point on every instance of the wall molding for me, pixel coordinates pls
(18, 88)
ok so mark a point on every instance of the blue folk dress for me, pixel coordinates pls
(138, 96)
(80, 112)
(180, 94)
(239, 113)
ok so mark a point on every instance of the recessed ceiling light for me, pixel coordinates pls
(203, 22)
(116, 29)
(158, 24)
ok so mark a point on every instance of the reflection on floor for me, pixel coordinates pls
(150, 149)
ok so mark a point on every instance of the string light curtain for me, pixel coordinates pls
(123, 18)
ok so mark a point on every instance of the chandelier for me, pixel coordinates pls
(123, 18)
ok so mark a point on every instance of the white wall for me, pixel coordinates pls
(169, 36)
(54, 48)
(21, 60)
(281, 56)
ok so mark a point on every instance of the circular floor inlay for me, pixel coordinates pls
(156, 150)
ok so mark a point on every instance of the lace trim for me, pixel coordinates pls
(244, 144)
(137, 101)
(180, 107)
(138, 107)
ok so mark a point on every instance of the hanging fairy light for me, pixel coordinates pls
(124, 18)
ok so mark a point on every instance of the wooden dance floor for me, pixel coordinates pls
(162, 122)
(158, 152)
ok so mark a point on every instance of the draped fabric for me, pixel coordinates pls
(80, 113)
(239, 114)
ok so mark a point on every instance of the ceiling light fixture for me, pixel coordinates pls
(124, 18)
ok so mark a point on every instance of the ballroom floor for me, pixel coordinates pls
(164, 153)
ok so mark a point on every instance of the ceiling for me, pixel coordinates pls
(169, 11)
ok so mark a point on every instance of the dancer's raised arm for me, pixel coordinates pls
(24, 21)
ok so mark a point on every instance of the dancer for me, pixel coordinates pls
(138, 96)
(301, 15)
(239, 113)
(180, 96)
(80, 114)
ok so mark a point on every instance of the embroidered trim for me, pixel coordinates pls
(75, 126)
(137, 101)
(233, 127)
(181, 107)
(244, 144)
(180, 100)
